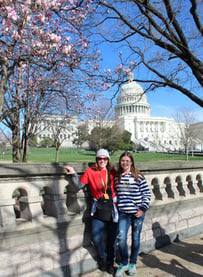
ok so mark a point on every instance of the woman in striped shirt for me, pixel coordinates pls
(133, 198)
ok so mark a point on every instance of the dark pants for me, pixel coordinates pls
(104, 230)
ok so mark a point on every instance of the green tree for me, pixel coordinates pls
(113, 138)
(110, 138)
(33, 141)
(81, 134)
(96, 138)
(47, 142)
(126, 143)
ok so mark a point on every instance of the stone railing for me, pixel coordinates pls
(44, 220)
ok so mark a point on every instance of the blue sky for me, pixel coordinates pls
(164, 102)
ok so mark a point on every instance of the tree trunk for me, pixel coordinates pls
(57, 155)
(16, 140)
(25, 150)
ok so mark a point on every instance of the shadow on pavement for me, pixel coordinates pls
(179, 258)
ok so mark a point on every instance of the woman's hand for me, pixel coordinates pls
(69, 170)
(139, 213)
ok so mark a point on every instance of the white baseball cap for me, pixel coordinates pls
(102, 152)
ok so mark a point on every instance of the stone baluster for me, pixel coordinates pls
(7, 214)
(149, 182)
(61, 208)
(174, 187)
(35, 207)
(182, 186)
(158, 189)
(190, 185)
(199, 184)
(169, 188)
(162, 188)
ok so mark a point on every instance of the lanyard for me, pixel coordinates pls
(104, 184)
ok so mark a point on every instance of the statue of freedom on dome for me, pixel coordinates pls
(130, 76)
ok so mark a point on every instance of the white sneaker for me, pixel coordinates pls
(121, 270)
(131, 270)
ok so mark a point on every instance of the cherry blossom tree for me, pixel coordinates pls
(38, 32)
(43, 53)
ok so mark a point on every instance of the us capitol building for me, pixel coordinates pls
(132, 114)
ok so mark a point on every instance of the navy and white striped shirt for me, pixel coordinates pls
(132, 194)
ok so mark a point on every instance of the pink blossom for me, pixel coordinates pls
(26, 49)
(133, 63)
(15, 34)
(119, 68)
(25, 9)
(127, 70)
(67, 49)
(28, 2)
(42, 19)
(85, 45)
(55, 38)
(39, 2)
(96, 67)
(12, 15)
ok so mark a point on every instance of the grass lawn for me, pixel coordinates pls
(44, 155)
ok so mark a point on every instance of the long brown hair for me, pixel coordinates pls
(135, 172)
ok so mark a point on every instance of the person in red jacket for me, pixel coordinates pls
(100, 179)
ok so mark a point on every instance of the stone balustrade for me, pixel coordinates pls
(44, 220)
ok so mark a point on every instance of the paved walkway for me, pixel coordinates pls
(180, 259)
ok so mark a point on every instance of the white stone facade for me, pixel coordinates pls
(66, 126)
(49, 125)
(132, 114)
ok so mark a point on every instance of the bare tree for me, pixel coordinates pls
(5, 138)
(59, 127)
(102, 110)
(163, 37)
(26, 110)
(188, 134)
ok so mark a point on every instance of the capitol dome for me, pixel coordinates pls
(133, 89)
(132, 100)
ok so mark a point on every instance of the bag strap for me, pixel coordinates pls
(109, 191)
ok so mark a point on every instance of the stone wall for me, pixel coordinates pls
(45, 224)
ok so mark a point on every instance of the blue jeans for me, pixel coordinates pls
(104, 238)
(125, 221)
